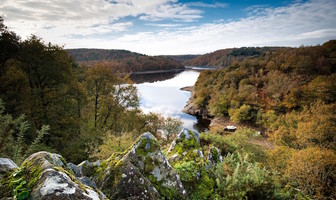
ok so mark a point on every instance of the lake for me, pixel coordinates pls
(160, 93)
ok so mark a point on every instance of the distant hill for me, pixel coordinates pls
(123, 59)
(226, 57)
(182, 58)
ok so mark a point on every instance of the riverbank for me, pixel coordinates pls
(157, 71)
(218, 123)
(192, 109)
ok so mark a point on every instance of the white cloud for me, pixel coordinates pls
(164, 25)
(88, 16)
(307, 23)
(207, 5)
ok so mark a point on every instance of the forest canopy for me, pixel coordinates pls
(123, 60)
(289, 94)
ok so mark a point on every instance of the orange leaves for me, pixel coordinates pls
(314, 169)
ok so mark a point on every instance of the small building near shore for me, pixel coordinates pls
(230, 128)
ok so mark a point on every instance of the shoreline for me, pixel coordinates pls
(157, 71)
(191, 109)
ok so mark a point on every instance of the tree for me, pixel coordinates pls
(313, 126)
(171, 127)
(314, 170)
(15, 135)
(100, 79)
(243, 114)
(155, 122)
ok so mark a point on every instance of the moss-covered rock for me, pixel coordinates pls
(187, 159)
(141, 172)
(7, 166)
(45, 175)
(85, 172)
(214, 156)
(185, 147)
(87, 168)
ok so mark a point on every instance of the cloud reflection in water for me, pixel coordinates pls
(165, 97)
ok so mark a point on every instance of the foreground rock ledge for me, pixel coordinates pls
(141, 172)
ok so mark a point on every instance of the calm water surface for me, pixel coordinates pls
(161, 93)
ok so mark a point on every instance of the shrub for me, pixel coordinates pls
(238, 178)
(243, 114)
(314, 171)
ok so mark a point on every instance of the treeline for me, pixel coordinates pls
(124, 60)
(181, 58)
(291, 94)
(49, 102)
(227, 57)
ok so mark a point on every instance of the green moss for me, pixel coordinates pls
(149, 165)
(195, 179)
(215, 155)
(110, 162)
(89, 170)
(185, 145)
(188, 171)
(152, 144)
(72, 177)
(166, 193)
(5, 188)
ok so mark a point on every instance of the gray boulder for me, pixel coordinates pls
(6, 165)
(142, 173)
(75, 169)
(84, 172)
(214, 156)
(185, 147)
(47, 176)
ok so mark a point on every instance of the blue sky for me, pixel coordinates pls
(157, 27)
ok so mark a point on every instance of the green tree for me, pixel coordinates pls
(171, 127)
(243, 114)
(15, 137)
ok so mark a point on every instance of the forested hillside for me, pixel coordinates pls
(227, 57)
(123, 60)
(182, 58)
(291, 94)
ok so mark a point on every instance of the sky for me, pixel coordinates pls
(172, 27)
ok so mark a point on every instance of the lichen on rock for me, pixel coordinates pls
(214, 156)
(185, 147)
(45, 175)
(143, 171)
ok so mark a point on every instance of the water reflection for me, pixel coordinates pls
(164, 96)
(153, 77)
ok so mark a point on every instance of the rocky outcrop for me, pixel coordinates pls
(186, 156)
(192, 109)
(185, 146)
(214, 156)
(44, 176)
(85, 172)
(142, 173)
